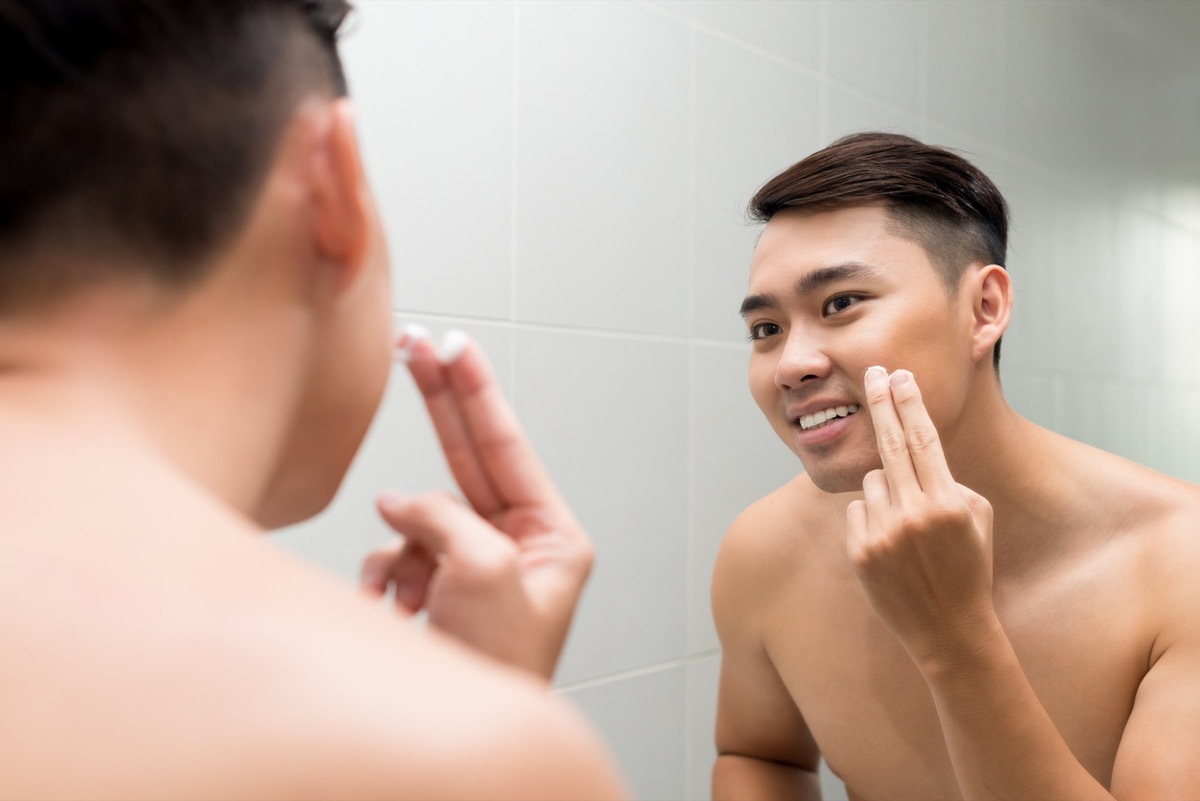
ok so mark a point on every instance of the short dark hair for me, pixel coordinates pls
(934, 196)
(137, 132)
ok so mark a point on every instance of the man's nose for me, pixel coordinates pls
(804, 358)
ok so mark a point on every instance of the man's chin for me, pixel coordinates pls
(837, 481)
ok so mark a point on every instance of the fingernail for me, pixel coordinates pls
(391, 500)
(454, 342)
(410, 335)
(900, 377)
(875, 373)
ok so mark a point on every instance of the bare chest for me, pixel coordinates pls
(1080, 644)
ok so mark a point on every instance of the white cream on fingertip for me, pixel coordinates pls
(454, 342)
(410, 334)
(876, 372)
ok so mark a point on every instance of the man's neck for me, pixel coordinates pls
(1018, 467)
(161, 378)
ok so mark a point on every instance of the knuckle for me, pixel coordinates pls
(862, 556)
(921, 438)
(878, 394)
(933, 517)
(891, 443)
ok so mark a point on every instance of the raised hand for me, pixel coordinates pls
(920, 543)
(503, 569)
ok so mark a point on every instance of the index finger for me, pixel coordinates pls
(484, 444)
(889, 436)
(506, 455)
(415, 349)
(920, 434)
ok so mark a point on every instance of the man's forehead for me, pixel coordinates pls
(803, 256)
(792, 228)
(797, 240)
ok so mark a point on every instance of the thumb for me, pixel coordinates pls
(445, 528)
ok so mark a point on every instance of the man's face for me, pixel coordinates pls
(831, 294)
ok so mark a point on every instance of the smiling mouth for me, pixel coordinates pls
(819, 419)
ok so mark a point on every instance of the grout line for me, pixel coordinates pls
(562, 328)
(634, 673)
(689, 525)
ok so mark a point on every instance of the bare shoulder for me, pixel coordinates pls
(353, 702)
(1151, 524)
(762, 546)
(210, 663)
(440, 723)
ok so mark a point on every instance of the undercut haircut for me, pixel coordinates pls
(934, 197)
(138, 133)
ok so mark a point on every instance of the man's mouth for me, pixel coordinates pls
(818, 419)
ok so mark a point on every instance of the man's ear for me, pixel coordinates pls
(991, 294)
(341, 205)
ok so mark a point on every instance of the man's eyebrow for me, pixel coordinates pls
(817, 279)
(753, 303)
(812, 282)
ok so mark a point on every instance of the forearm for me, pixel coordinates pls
(744, 778)
(1002, 743)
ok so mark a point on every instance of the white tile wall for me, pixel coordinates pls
(754, 115)
(609, 417)
(567, 180)
(877, 46)
(603, 166)
(440, 151)
(642, 716)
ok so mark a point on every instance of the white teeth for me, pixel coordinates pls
(818, 419)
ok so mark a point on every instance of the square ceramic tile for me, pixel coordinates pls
(433, 89)
(603, 184)
(876, 46)
(400, 452)
(608, 415)
(736, 459)
(790, 30)
(964, 67)
(754, 118)
(642, 719)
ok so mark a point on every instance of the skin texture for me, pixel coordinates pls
(157, 648)
(951, 602)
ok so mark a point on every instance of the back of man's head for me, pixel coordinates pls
(934, 197)
(137, 132)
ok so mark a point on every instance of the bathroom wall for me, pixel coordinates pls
(566, 181)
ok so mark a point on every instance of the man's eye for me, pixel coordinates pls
(840, 303)
(763, 330)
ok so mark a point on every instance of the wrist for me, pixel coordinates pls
(968, 648)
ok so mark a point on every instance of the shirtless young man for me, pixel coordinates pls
(929, 644)
(195, 331)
